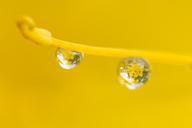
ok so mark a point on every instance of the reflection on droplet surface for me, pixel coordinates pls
(68, 59)
(133, 72)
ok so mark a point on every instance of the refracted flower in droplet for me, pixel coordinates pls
(68, 59)
(133, 72)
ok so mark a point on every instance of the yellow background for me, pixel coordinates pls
(36, 93)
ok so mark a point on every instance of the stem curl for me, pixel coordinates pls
(42, 36)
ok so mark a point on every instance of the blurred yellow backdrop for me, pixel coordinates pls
(36, 93)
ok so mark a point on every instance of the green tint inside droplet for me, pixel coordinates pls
(68, 59)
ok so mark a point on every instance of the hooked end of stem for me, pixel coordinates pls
(29, 30)
(26, 22)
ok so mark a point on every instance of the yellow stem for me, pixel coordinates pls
(43, 36)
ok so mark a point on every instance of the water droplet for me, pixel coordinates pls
(68, 59)
(133, 72)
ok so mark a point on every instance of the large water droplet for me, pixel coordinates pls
(68, 59)
(133, 72)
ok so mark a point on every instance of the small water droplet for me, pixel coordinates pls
(133, 72)
(68, 59)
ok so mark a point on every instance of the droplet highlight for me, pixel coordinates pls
(68, 59)
(134, 72)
